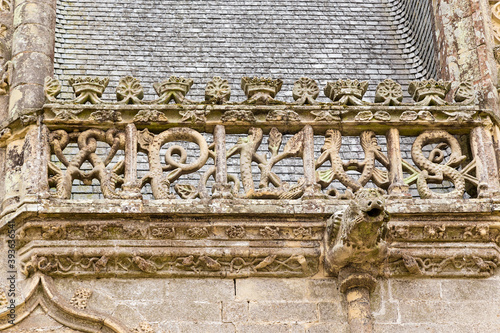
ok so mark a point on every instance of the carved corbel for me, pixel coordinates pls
(355, 253)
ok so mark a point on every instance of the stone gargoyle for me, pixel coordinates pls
(355, 238)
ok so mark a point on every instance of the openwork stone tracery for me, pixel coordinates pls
(203, 159)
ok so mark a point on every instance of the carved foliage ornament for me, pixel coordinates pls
(389, 93)
(305, 91)
(129, 91)
(80, 298)
(217, 91)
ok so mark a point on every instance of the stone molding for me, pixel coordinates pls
(41, 292)
(283, 242)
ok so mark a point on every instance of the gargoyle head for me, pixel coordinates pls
(371, 202)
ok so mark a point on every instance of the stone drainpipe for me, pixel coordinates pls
(355, 252)
(357, 288)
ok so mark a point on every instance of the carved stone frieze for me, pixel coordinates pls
(238, 116)
(326, 115)
(236, 231)
(197, 232)
(67, 114)
(461, 264)
(106, 115)
(164, 264)
(270, 232)
(444, 232)
(143, 328)
(195, 116)
(408, 116)
(148, 116)
(283, 115)
(117, 230)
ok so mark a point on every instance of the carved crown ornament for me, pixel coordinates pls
(431, 106)
(262, 91)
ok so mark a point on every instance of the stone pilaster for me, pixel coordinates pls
(32, 53)
(465, 46)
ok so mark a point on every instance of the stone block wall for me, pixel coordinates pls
(292, 305)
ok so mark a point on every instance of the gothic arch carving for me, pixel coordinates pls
(43, 293)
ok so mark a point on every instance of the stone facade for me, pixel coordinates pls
(249, 166)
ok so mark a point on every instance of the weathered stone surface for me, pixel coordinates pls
(282, 311)
(35, 13)
(33, 38)
(271, 289)
(26, 96)
(31, 68)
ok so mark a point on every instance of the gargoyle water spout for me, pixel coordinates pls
(355, 251)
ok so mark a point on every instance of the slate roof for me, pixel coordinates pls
(199, 39)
